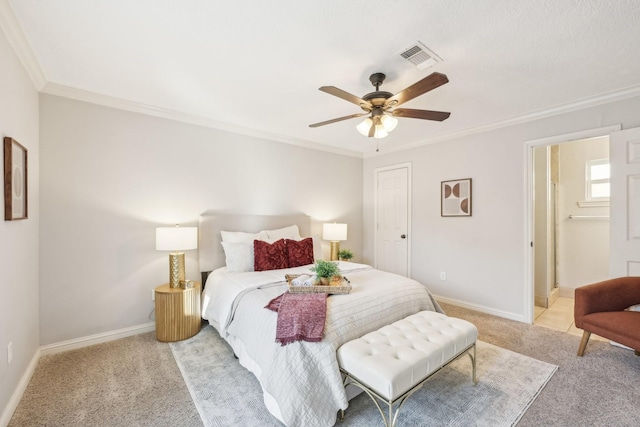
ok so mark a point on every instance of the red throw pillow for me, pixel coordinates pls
(300, 252)
(270, 256)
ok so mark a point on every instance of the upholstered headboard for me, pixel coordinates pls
(211, 254)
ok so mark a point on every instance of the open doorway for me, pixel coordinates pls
(570, 224)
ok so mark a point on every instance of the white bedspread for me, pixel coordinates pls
(303, 377)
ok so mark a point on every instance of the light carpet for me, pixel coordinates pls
(226, 394)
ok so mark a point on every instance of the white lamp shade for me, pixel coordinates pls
(380, 132)
(385, 124)
(176, 238)
(334, 232)
(389, 123)
(364, 127)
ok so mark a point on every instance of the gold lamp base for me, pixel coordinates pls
(176, 269)
(335, 248)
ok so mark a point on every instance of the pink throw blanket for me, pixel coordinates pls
(301, 317)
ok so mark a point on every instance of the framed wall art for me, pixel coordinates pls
(15, 180)
(455, 197)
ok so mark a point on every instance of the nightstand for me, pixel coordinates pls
(177, 312)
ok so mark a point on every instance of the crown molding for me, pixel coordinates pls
(22, 48)
(19, 43)
(13, 31)
(137, 107)
(581, 104)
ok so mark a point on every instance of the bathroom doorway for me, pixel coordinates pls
(570, 217)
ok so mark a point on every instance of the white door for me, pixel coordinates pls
(625, 203)
(392, 217)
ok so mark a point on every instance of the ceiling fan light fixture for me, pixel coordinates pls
(364, 127)
(388, 122)
(379, 128)
(380, 132)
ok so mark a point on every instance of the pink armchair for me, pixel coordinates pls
(600, 309)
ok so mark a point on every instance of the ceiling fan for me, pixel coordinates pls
(379, 105)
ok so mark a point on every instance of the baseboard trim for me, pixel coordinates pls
(567, 292)
(96, 339)
(488, 310)
(19, 391)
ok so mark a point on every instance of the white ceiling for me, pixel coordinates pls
(255, 66)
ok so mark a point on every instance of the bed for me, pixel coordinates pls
(301, 381)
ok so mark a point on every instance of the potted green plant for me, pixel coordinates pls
(325, 270)
(345, 255)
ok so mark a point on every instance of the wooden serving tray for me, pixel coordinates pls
(343, 288)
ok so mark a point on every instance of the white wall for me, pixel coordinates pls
(485, 256)
(109, 177)
(583, 244)
(18, 239)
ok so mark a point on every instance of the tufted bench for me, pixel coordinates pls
(396, 360)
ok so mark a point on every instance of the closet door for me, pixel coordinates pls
(392, 220)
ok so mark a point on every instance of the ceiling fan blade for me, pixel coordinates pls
(332, 90)
(421, 114)
(430, 82)
(339, 119)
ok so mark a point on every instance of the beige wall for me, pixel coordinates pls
(109, 177)
(482, 255)
(18, 239)
(583, 243)
(485, 256)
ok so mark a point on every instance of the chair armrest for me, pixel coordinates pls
(609, 295)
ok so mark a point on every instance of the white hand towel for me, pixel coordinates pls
(310, 281)
(299, 281)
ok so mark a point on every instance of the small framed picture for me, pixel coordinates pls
(456, 197)
(15, 180)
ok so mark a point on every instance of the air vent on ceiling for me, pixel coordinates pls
(420, 56)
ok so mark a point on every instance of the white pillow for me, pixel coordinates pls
(239, 256)
(291, 232)
(317, 249)
(242, 237)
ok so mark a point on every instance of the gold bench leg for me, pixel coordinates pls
(583, 343)
(473, 365)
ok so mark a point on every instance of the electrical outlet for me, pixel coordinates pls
(153, 294)
(443, 275)
(9, 352)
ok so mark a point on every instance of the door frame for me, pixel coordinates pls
(530, 204)
(376, 171)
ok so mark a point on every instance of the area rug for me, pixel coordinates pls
(228, 395)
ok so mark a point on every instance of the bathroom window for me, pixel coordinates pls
(598, 180)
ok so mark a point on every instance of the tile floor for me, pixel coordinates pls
(559, 317)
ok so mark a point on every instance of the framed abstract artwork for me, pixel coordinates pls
(15, 180)
(455, 197)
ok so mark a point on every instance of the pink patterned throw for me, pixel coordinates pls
(301, 317)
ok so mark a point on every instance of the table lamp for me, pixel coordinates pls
(176, 239)
(335, 233)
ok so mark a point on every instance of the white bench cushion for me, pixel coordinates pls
(396, 357)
